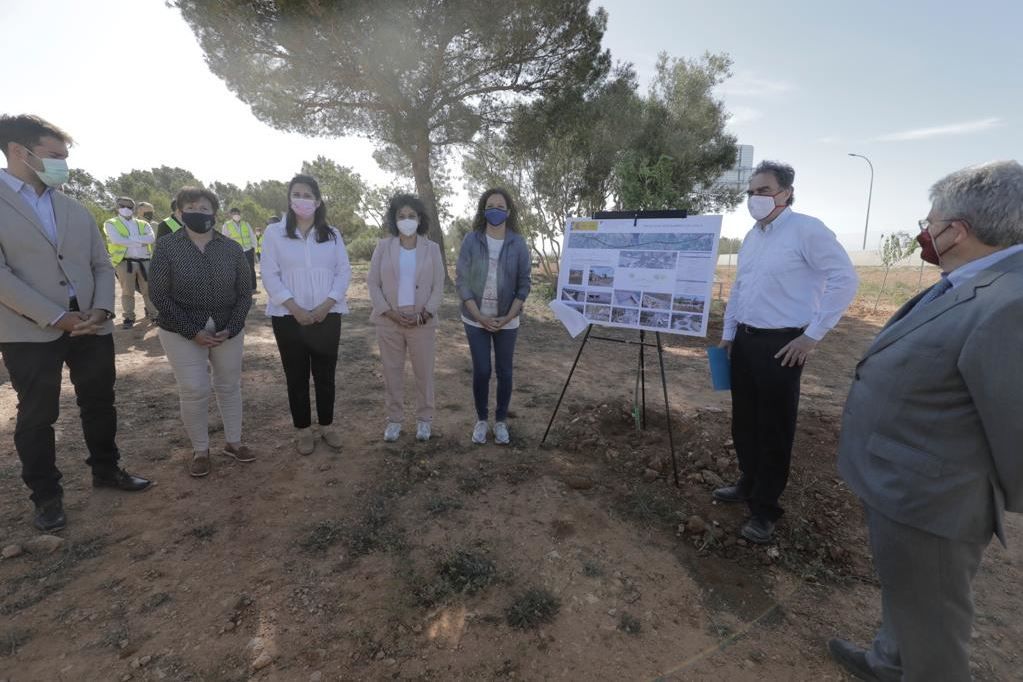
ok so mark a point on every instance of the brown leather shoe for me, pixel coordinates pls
(200, 464)
(240, 453)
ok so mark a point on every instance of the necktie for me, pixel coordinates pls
(943, 285)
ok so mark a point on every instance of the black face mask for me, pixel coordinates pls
(147, 215)
(200, 223)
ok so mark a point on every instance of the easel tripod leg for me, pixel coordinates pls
(667, 409)
(642, 379)
(567, 381)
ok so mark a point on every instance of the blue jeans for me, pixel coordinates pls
(503, 342)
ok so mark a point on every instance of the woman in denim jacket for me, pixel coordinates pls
(492, 277)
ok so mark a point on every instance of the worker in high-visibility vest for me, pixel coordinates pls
(130, 242)
(171, 223)
(145, 210)
(241, 232)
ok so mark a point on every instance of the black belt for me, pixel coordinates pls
(778, 331)
(141, 262)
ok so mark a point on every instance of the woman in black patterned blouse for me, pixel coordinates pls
(201, 286)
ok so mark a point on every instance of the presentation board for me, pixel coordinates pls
(654, 274)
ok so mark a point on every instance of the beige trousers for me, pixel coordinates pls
(418, 343)
(191, 364)
(129, 281)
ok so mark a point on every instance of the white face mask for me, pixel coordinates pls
(408, 226)
(235, 217)
(125, 212)
(760, 206)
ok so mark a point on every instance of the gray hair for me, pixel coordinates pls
(988, 196)
(782, 172)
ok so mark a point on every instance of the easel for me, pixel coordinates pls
(642, 343)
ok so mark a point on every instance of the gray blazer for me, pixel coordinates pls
(513, 269)
(34, 273)
(932, 435)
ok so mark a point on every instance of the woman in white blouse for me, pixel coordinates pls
(306, 274)
(406, 285)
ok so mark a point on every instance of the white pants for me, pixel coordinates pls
(191, 364)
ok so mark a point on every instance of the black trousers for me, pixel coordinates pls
(35, 370)
(765, 401)
(304, 350)
(251, 256)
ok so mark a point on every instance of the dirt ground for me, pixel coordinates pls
(577, 560)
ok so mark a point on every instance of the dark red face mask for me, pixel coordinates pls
(928, 251)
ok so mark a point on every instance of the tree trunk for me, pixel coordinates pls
(420, 155)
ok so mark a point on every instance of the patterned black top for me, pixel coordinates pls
(188, 286)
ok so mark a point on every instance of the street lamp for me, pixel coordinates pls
(870, 195)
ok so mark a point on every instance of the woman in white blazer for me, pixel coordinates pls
(406, 285)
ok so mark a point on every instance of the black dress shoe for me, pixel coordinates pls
(852, 659)
(758, 530)
(121, 480)
(730, 493)
(128, 324)
(50, 515)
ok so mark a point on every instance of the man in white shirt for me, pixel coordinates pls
(793, 282)
(129, 242)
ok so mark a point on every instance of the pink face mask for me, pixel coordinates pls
(303, 208)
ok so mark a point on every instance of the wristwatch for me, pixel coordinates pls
(109, 316)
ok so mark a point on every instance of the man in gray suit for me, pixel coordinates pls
(56, 298)
(932, 440)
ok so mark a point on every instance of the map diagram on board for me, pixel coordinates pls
(655, 274)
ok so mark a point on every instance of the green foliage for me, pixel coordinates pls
(322, 536)
(896, 247)
(467, 572)
(457, 229)
(532, 608)
(418, 76)
(680, 147)
(729, 245)
(576, 151)
(343, 190)
(271, 195)
(82, 186)
(157, 186)
(361, 248)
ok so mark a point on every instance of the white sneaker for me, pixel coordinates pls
(479, 433)
(501, 436)
(423, 431)
(392, 432)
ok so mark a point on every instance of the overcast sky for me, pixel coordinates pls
(921, 88)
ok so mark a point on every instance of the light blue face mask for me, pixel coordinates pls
(54, 173)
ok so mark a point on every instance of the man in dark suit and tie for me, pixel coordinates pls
(932, 439)
(56, 298)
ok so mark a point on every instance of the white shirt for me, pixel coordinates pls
(303, 269)
(138, 240)
(488, 304)
(791, 273)
(406, 276)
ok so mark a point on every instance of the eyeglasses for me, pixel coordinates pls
(927, 222)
